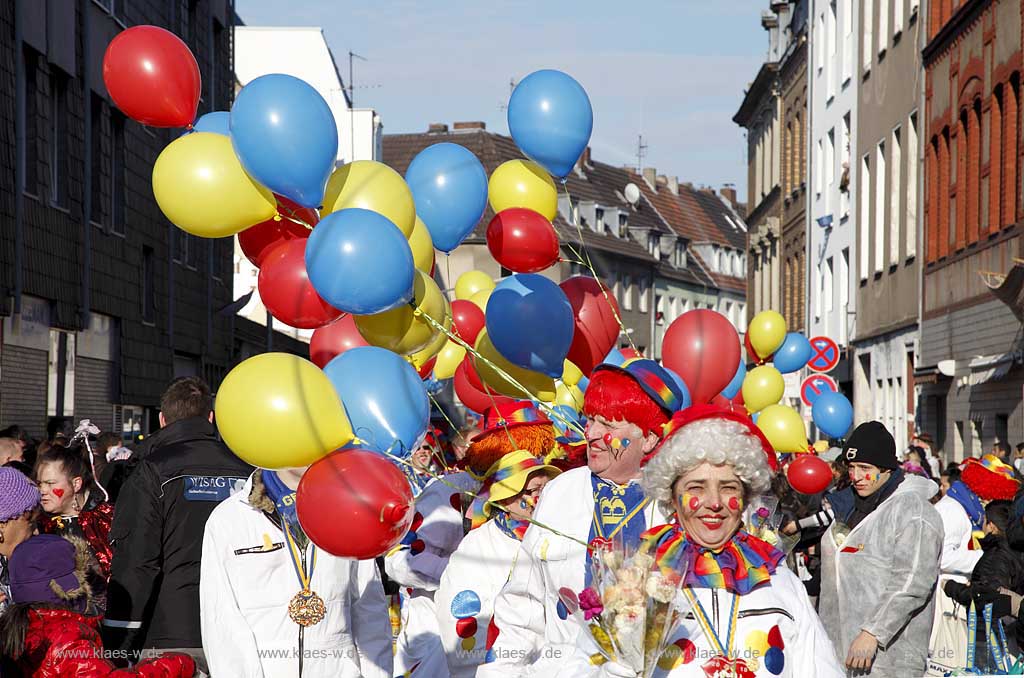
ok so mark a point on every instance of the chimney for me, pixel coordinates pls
(651, 176)
(473, 126)
(437, 128)
(673, 184)
(729, 193)
(585, 158)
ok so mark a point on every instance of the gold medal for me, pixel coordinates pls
(307, 608)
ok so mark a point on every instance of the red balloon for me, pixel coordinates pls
(597, 330)
(364, 487)
(257, 240)
(330, 341)
(286, 291)
(702, 347)
(807, 474)
(472, 396)
(427, 368)
(630, 353)
(522, 240)
(152, 76)
(467, 320)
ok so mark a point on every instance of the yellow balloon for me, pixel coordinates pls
(571, 375)
(763, 386)
(374, 186)
(539, 385)
(448, 360)
(480, 299)
(523, 183)
(767, 331)
(784, 428)
(569, 395)
(201, 187)
(422, 247)
(277, 410)
(401, 329)
(422, 356)
(472, 282)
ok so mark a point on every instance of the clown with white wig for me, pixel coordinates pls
(750, 615)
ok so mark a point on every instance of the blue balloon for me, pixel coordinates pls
(383, 396)
(793, 354)
(218, 122)
(359, 262)
(755, 416)
(530, 322)
(832, 414)
(733, 387)
(550, 118)
(285, 136)
(686, 401)
(449, 186)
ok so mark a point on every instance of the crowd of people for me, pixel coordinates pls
(175, 558)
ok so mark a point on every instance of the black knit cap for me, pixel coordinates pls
(871, 443)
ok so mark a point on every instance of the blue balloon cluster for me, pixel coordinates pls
(449, 187)
(217, 122)
(389, 411)
(793, 354)
(550, 118)
(285, 136)
(530, 322)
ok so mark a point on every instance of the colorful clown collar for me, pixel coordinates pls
(500, 481)
(510, 526)
(739, 567)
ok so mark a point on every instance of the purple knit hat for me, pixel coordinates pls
(43, 569)
(17, 493)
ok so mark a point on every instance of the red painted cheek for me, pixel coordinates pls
(694, 503)
(734, 503)
(58, 491)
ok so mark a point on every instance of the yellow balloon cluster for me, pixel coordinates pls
(402, 329)
(523, 183)
(472, 283)
(763, 386)
(784, 428)
(373, 186)
(540, 386)
(201, 187)
(277, 410)
(448, 360)
(423, 356)
(767, 331)
(422, 246)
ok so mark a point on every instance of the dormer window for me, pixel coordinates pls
(599, 220)
(623, 224)
(679, 257)
(652, 246)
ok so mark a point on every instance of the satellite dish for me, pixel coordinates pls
(632, 193)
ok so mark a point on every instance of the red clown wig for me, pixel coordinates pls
(618, 397)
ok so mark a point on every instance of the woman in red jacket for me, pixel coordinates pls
(47, 633)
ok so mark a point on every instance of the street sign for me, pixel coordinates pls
(824, 355)
(814, 385)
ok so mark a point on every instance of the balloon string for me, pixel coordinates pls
(502, 373)
(573, 221)
(444, 414)
(474, 495)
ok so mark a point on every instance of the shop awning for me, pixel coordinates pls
(1008, 288)
(989, 368)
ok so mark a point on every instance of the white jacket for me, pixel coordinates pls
(957, 559)
(244, 596)
(534, 635)
(475, 575)
(781, 606)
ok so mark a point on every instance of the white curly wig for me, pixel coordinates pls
(716, 441)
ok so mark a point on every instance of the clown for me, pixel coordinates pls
(750, 616)
(481, 565)
(438, 528)
(626, 407)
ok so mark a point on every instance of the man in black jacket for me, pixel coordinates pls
(157, 534)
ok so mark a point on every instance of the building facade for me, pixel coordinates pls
(831, 214)
(970, 370)
(793, 90)
(889, 78)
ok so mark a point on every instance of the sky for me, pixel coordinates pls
(671, 70)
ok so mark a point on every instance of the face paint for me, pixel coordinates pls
(58, 491)
(690, 501)
(735, 504)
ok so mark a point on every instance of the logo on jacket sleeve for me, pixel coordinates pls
(211, 488)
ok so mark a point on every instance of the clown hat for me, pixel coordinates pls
(698, 412)
(654, 380)
(509, 415)
(507, 478)
(989, 478)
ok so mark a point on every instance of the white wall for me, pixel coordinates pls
(833, 103)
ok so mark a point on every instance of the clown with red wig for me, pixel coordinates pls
(439, 526)
(626, 406)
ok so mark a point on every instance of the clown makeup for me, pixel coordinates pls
(709, 503)
(689, 501)
(735, 503)
(867, 478)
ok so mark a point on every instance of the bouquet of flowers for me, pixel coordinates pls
(764, 520)
(631, 609)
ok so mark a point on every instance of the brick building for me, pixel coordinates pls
(793, 90)
(971, 346)
(103, 301)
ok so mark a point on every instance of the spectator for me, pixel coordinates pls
(11, 450)
(101, 452)
(257, 563)
(950, 475)
(73, 506)
(1002, 450)
(19, 505)
(49, 630)
(158, 529)
(1018, 458)
(916, 456)
(880, 561)
(926, 443)
(998, 577)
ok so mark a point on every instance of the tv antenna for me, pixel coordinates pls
(641, 153)
(352, 56)
(511, 88)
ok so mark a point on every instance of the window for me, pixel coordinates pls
(868, 43)
(623, 224)
(832, 29)
(617, 287)
(864, 214)
(96, 214)
(117, 174)
(30, 163)
(911, 211)
(847, 40)
(218, 36)
(897, 18)
(820, 51)
(599, 219)
(895, 194)
(148, 286)
(820, 289)
(830, 165)
(58, 141)
(829, 272)
(819, 162)
(60, 391)
(627, 286)
(883, 25)
(879, 195)
(643, 295)
(844, 293)
(844, 169)
(680, 255)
